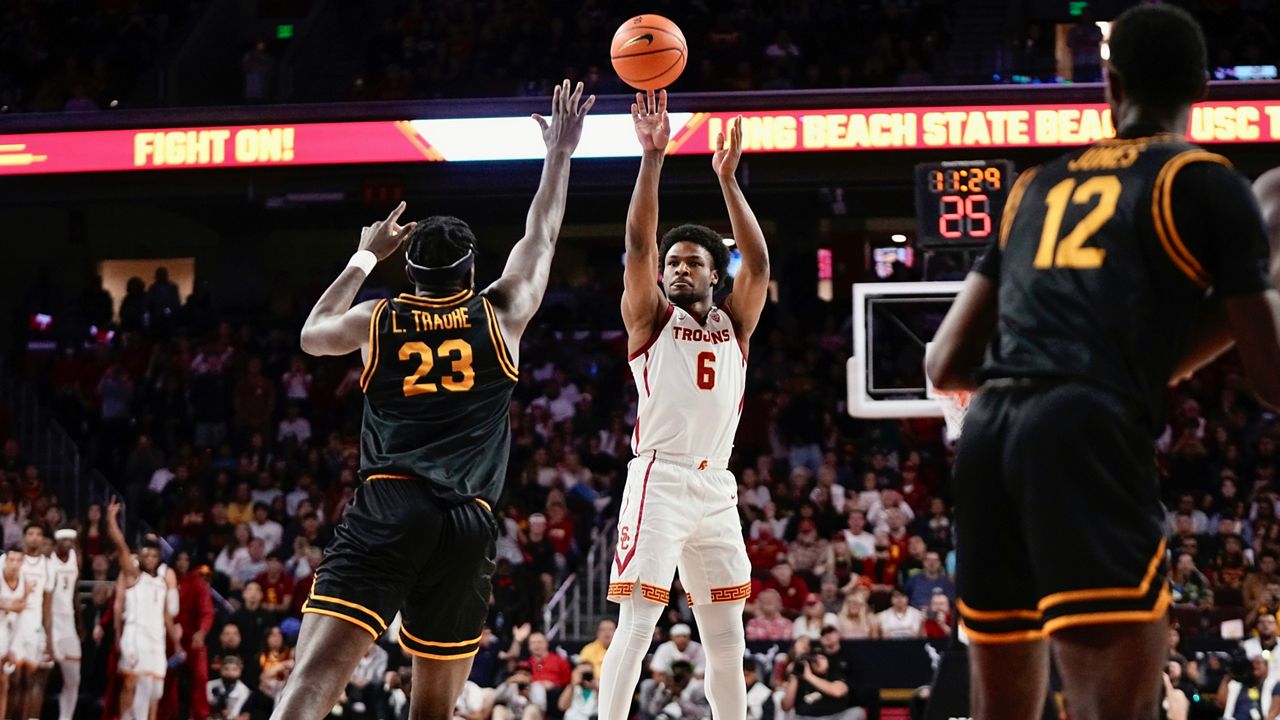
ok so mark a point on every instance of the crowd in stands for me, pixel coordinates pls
(240, 454)
(80, 55)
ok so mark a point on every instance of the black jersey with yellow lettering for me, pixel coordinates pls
(438, 387)
(1108, 255)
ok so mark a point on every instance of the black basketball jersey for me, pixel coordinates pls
(1108, 255)
(438, 387)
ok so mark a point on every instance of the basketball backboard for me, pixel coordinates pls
(892, 324)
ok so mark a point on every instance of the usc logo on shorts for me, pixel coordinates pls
(624, 538)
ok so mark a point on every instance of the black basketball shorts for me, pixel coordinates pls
(398, 549)
(1058, 514)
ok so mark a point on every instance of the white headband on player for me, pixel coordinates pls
(64, 534)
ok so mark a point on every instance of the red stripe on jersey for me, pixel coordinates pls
(623, 562)
(646, 375)
(653, 338)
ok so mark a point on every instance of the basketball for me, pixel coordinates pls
(649, 52)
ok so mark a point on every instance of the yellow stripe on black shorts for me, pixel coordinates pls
(438, 650)
(354, 613)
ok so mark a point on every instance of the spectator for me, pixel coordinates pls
(765, 549)
(1264, 643)
(519, 698)
(549, 669)
(163, 303)
(297, 383)
(472, 704)
(1255, 582)
(195, 618)
(759, 696)
(855, 620)
(227, 695)
(1189, 585)
(593, 652)
(813, 618)
(265, 529)
(276, 663)
(769, 622)
(791, 588)
(246, 568)
(580, 698)
(255, 399)
(681, 646)
(259, 70)
(677, 695)
(861, 544)
(364, 691)
(816, 689)
(252, 620)
(277, 586)
(900, 620)
(810, 555)
(1251, 696)
(932, 579)
(937, 624)
(294, 427)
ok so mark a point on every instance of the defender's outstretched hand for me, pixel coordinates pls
(653, 127)
(568, 112)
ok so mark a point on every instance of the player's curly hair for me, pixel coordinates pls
(440, 241)
(701, 235)
(1159, 53)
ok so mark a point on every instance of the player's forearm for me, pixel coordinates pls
(642, 213)
(335, 301)
(546, 212)
(746, 229)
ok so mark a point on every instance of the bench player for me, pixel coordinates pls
(688, 359)
(1117, 267)
(64, 574)
(31, 646)
(142, 621)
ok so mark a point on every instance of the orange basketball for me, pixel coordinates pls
(648, 52)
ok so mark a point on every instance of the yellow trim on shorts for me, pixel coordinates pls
(432, 643)
(430, 656)
(1119, 616)
(1090, 595)
(484, 504)
(340, 616)
(1006, 638)
(996, 615)
(355, 606)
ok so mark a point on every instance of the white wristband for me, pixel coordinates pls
(363, 259)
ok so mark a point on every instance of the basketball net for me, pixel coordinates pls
(955, 405)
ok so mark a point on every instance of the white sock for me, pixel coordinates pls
(621, 667)
(141, 708)
(70, 689)
(724, 642)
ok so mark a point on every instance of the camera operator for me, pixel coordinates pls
(818, 689)
(579, 700)
(676, 696)
(1247, 693)
(227, 695)
(520, 698)
(759, 696)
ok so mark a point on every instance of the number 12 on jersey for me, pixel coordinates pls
(1070, 251)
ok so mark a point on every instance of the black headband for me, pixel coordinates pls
(440, 276)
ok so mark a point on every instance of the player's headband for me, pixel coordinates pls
(443, 275)
(64, 534)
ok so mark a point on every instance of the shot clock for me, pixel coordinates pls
(959, 203)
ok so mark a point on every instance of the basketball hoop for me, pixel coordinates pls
(955, 405)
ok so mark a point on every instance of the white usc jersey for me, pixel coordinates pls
(690, 377)
(63, 576)
(145, 605)
(35, 575)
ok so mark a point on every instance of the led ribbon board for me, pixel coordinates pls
(605, 136)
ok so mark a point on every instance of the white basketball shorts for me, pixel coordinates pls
(66, 642)
(673, 517)
(142, 655)
(29, 640)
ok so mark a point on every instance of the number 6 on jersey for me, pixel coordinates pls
(707, 370)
